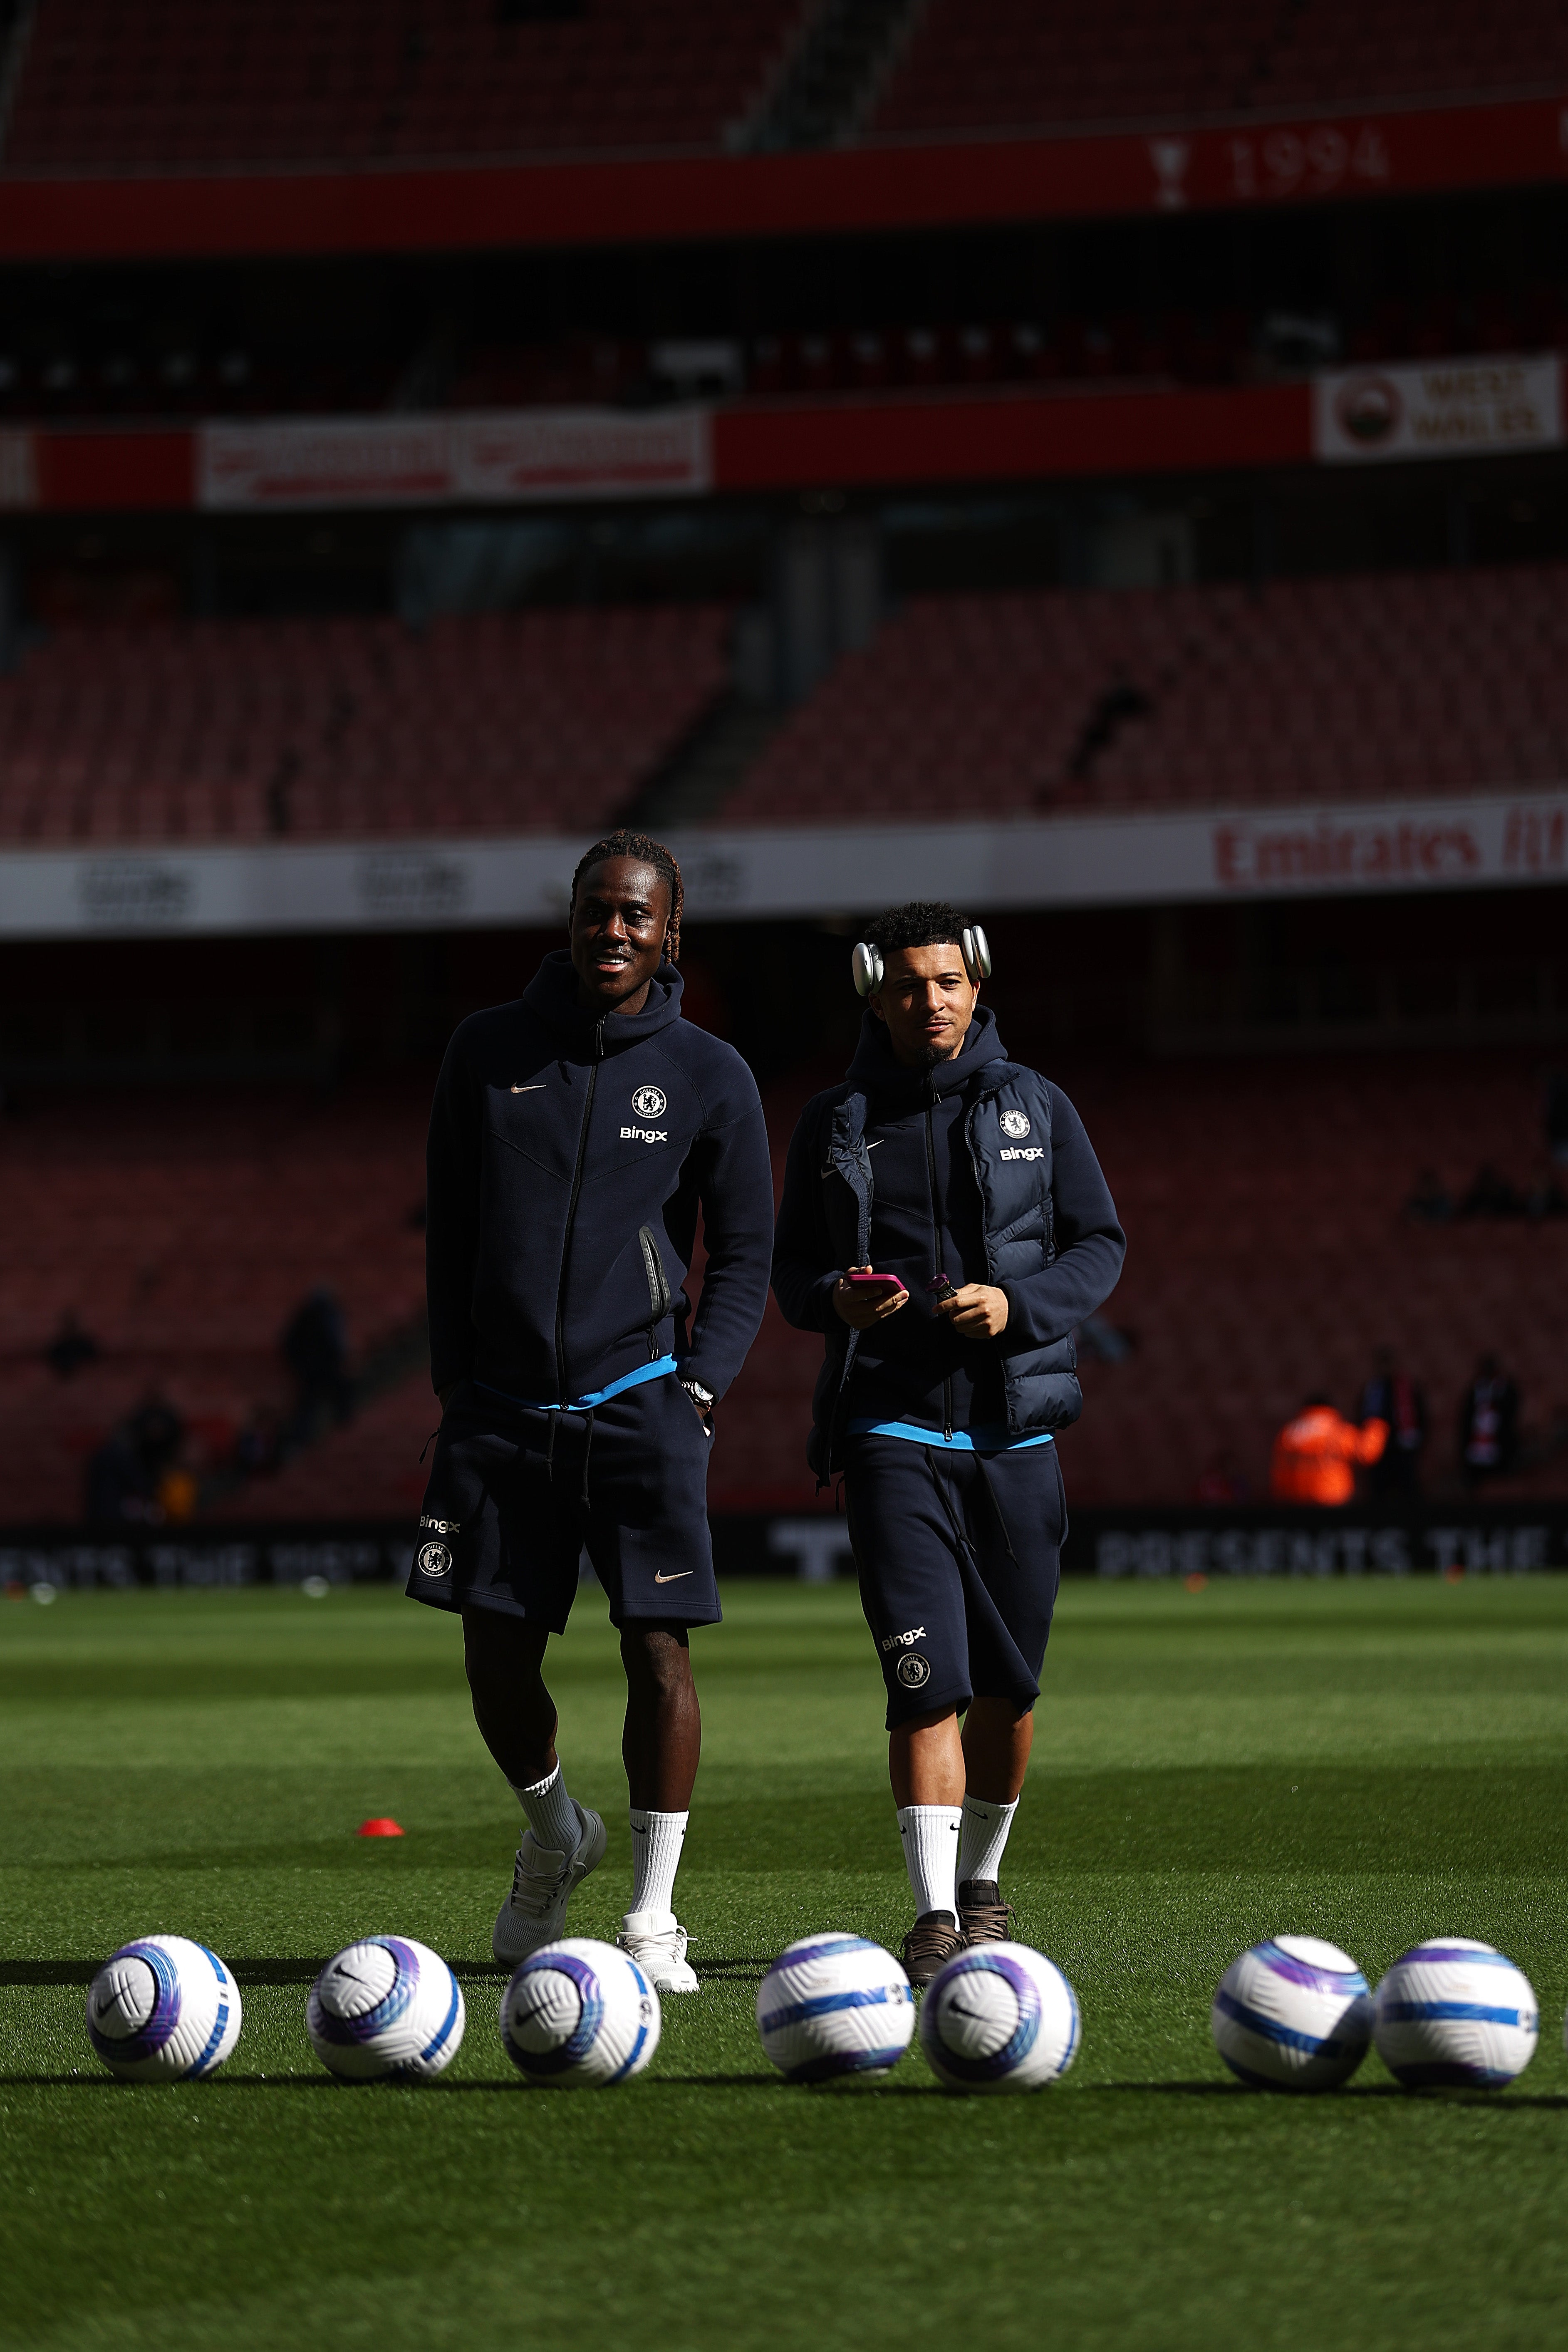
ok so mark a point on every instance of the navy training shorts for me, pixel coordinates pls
(507, 1512)
(954, 1612)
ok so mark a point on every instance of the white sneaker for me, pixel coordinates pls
(656, 1942)
(535, 1911)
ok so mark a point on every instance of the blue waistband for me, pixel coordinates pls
(990, 1439)
(653, 1371)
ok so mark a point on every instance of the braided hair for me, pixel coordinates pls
(647, 851)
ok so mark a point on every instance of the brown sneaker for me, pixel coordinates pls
(930, 1945)
(982, 1914)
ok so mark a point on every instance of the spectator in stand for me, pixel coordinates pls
(1488, 1424)
(316, 1349)
(134, 1468)
(1222, 1480)
(1315, 1456)
(1391, 1396)
(156, 1434)
(1492, 1195)
(71, 1349)
(116, 1490)
(256, 1446)
(1431, 1203)
(1555, 1117)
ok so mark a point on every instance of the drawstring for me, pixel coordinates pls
(587, 1449)
(959, 1530)
(549, 1450)
(997, 1508)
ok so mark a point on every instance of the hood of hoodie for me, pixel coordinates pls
(551, 995)
(876, 1071)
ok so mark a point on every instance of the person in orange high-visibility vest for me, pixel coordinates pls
(1315, 1456)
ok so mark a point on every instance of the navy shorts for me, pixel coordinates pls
(517, 1494)
(959, 1559)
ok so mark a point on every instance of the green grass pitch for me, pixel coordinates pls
(1370, 1761)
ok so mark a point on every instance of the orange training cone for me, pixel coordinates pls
(385, 1827)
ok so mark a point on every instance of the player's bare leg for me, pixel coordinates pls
(660, 1746)
(564, 1841)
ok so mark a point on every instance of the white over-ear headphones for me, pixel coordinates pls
(973, 945)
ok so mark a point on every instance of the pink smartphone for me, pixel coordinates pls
(879, 1285)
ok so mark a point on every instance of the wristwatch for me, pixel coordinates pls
(700, 1397)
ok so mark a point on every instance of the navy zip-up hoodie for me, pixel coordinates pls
(925, 1215)
(567, 1158)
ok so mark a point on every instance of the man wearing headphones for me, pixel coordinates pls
(946, 1225)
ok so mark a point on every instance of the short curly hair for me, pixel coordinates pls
(647, 851)
(923, 923)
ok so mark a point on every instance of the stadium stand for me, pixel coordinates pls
(994, 65)
(183, 1230)
(175, 84)
(1271, 1256)
(242, 730)
(1308, 689)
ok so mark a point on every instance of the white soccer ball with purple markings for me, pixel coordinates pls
(833, 2005)
(163, 2009)
(1455, 2013)
(1292, 2014)
(385, 2009)
(580, 2015)
(1000, 2017)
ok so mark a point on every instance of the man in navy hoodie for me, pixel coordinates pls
(968, 1179)
(573, 1136)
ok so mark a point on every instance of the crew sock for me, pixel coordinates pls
(929, 1833)
(551, 1815)
(983, 1838)
(657, 1841)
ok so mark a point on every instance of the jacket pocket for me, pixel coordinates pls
(659, 1295)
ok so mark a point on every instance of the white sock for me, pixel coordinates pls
(551, 1815)
(929, 1833)
(657, 1841)
(983, 1838)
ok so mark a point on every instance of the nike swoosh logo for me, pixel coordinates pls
(539, 1089)
(675, 1578)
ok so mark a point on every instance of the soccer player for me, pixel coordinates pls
(969, 1180)
(574, 1135)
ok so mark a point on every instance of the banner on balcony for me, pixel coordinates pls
(1437, 408)
(518, 454)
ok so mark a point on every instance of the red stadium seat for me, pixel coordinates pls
(982, 703)
(232, 731)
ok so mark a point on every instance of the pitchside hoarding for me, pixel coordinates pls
(1446, 1539)
(521, 880)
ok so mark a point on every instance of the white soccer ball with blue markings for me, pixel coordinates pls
(833, 2005)
(1292, 2014)
(1000, 2017)
(580, 2015)
(1455, 2013)
(385, 2009)
(163, 2009)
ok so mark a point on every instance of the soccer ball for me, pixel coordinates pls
(1454, 2013)
(1292, 2014)
(385, 2007)
(579, 2014)
(163, 2009)
(834, 2005)
(1000, 2017)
